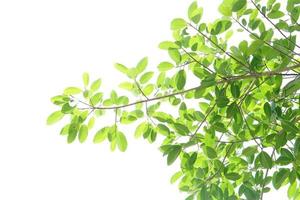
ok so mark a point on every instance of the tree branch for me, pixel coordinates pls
(228, 79)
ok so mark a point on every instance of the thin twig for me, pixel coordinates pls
(267, 43)
(278, 29)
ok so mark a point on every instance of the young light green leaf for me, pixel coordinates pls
(168, 45)
(141, 66)
(100, 136)
(146, 77)
(83, 133)
(85, 79)
(72, 91)
(126, 86)
(226, 7)
(148, 89)
(178, 23)
(165, 66)
(54, 117)
(195, 13)
(121, 141)
(96, 85)
(292, 190)
(175, 177)
(121, 68)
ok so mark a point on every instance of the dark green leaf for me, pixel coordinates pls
(173, 154)
(279, 177)
(238, 5)
(181, 129)
(180, 79)
(265, 160)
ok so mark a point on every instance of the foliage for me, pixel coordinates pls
(236, 132)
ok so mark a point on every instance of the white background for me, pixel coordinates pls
(44, 47)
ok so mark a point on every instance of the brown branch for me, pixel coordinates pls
(228, 79)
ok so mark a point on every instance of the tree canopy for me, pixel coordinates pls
(228, 110)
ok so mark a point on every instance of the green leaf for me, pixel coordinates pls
(73, 129)
(289, 126)
(233, 176)
(121, 68)
(279, 177)
(275, 14)
(83, 133)
(100, 136)
(67, 109)
(96, 85)
(168, 45)
(141, 129)
(195, 13)
(291, 87)
(148, 89)
(181, 129)
(221, 26)
(249, 151)
(292, 190)
(126, 86)
(121, 141)
(175, 55)
(222, 101)
(146, 77)
(141, 66)
(178, 23)
(165, 66)
(265, 160)
(238, 5)
(210, 152)
(250, 193)
(173, 154)
(235, 90)
(226, 7)
(175, 177)
(267, 110)
(180, 79)
(72, 91)
(96, 98)
(54, 117)
(85, 79)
